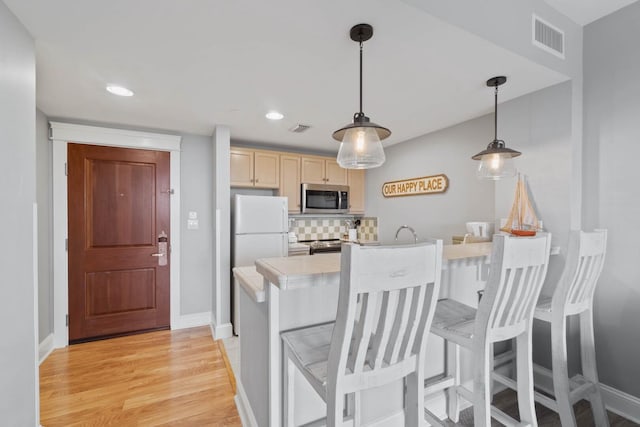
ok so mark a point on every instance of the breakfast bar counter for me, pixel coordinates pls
(303, 290)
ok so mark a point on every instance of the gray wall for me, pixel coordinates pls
(447, 151)
(612, 148)
(196, 181)
(44, 193)
(18, 382)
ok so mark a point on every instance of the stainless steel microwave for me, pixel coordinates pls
(321, 198)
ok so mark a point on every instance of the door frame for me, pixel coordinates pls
(60, 135)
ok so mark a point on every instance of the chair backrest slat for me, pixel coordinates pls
(414, 320)
(386, 303)
(584, 263)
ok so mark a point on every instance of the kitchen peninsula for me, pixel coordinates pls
(301, 291)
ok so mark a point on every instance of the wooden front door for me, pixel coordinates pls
(118, 208)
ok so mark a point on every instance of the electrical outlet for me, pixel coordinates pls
(192, 224)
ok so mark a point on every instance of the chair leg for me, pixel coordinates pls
(453, 370)
(353, 407)
(524, 366)
(288, 372)
(335, 408)
(561, 386)
(589, 368)
(482, 386)
(414, 400)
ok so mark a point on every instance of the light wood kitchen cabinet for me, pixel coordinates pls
(290, 180)
(322, 170)
(254, 168)
(355, 179)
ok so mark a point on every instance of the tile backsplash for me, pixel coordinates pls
(368, 229)
(332, 228)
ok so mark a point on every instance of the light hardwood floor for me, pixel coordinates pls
(177, 378)
(155, 379)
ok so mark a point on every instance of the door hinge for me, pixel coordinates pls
(66, 245)
(66, 171)
(67, 319)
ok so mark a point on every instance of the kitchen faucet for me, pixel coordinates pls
(415, 236)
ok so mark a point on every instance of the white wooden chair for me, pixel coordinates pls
(385, 308)
(517, 272)
(573, 295)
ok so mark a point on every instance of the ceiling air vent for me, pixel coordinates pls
(547, 37)
(299, 128)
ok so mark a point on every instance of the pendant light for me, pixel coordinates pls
(496, 162)
(360, 146)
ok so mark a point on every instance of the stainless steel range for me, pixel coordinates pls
(320, 246)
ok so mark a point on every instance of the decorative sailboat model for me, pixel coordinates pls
(522, 220)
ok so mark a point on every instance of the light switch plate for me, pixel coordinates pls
(555, 250)
(193, 215)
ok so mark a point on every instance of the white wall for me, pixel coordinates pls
(612, 149)
(447, 151)
(221, 255)
(44, 193)
(18, 299)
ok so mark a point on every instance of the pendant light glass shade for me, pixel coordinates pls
(496, 162)
(360, 146)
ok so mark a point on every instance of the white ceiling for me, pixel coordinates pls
(584, 12)
(194, 64)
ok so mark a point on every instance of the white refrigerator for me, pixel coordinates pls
(259, 230)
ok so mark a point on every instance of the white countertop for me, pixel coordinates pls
(250, 281)
(320, 269)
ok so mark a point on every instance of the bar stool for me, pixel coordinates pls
(517, 272)
(385, 307)
(574, 296)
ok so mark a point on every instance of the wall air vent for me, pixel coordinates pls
(547, 37)
(299, 128)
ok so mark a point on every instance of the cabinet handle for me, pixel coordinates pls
(256, 180)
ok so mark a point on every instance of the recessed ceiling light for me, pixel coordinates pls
(274, 115)
(119, 90)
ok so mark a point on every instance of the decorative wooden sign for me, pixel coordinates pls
(414, 186)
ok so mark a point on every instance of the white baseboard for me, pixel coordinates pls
(616, 401)
(192, 320)
(621, 403)
(220, 332)
(244, 409)
(45, 348)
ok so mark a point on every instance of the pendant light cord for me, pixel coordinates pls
(495, 116)
(361, 113)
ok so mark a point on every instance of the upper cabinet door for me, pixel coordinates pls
(356, 190)
(266, 169)
(290, 180)
(335, 174)
(313, 170)
(241, 167)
